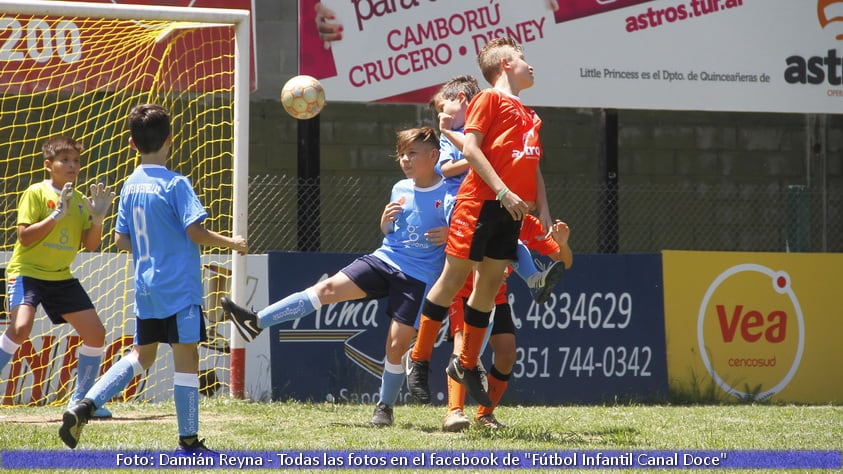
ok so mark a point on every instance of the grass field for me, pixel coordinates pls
(232, 425)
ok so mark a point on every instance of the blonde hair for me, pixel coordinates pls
(492, 53)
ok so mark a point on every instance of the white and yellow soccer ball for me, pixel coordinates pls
(303, 97)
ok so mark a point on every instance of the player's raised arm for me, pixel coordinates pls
(98, 204)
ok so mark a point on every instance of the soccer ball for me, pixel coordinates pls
(303, 97)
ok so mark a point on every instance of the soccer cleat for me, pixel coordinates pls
(542, 284)
(484, 379)
(455, 421)
(471, 379)
(417, 372)
(192, 444)
(488, 421)
(382, 416)
(73, 420)
(100, 413)
(245, 321)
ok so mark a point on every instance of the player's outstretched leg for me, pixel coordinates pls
(74, 419)
(245, 321)
(416, 372)
(542, 284)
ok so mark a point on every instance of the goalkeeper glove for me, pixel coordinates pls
(63, 205)
(99, 202)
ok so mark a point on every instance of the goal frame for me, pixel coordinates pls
(240, 21)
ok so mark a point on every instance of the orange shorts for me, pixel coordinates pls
(481, 229)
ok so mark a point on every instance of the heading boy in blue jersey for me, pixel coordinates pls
(159, 221)
(402, 269)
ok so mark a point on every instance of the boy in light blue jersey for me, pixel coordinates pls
(159, 220)
(402, 269)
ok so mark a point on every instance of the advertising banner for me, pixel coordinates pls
(44, 367)
(40, 53)
(754, 326)
(600, 337)
(728, 55)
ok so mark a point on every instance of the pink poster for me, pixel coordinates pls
(573, 9)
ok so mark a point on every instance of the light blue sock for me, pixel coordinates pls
(295, 306)
(524, 266)
(186, 396)
(391, 382)
(114, 380)
(87, 369)
(5, 357)
(7, 350)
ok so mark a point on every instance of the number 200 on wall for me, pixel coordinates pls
(40, 41)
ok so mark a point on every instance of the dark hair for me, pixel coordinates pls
(58, 144)
(466, 84)
(149, 125)
(411, 135)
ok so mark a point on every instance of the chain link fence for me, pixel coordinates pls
(342, 214)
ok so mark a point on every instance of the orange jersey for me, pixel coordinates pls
(510, 142)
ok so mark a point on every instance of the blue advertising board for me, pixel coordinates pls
(600, 337)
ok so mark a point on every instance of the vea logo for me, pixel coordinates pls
(751, 331)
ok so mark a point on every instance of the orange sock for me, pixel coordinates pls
(472, 343)
(426, 338)
(496, 389)
(456, 395)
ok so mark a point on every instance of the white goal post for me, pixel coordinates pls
(236, 148)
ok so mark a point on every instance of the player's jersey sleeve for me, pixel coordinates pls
(185, 202)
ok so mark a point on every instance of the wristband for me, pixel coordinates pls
(502, 193)
(56, 215)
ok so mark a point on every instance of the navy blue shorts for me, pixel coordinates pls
(379, 280)
(56, 297)
(185, 327)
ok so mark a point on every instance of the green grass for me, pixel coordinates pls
(233, 425)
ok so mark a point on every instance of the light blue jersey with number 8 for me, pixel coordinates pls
(156, 206)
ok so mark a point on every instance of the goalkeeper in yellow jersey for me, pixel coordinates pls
(56, 221)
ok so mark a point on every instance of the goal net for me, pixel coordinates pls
(77, 69)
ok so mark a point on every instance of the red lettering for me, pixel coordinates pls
(752, 325)
(728, 328)
(36, 370)
(777, 332)
(38, 362)
(751, 320)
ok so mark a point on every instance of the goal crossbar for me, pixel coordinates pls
(240, 21)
